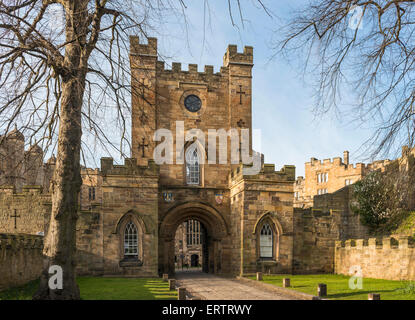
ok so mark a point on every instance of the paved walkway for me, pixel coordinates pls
(210, 287)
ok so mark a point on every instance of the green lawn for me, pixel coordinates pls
(93, 288)
(338, 286)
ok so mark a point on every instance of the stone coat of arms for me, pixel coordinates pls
(219, 198)
(168, 196)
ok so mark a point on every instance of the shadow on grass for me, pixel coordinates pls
(104, 289)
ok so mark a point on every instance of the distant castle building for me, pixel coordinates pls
(20, 168)
(328, 176)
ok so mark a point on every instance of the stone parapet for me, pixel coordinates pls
(267, 173)
(390, 258)
(401, 242)
(130, 167)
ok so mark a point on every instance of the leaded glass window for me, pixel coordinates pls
(266, 241)
(193, 167)
(131, 240)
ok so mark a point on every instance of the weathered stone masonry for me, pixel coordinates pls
(386, 258)
(20, 259)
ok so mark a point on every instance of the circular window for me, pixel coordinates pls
(192, 103)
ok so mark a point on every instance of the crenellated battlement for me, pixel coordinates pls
(390, 258)
(19, 241)
(338, 162)
(177, 72)
(146, 52)
(149, 49)
(129, 167)
(287, 173)
(11, 190)
(401, 242)
(232, 56)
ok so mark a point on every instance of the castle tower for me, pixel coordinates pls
(240, 88)
(143, 59)
(14, 159)
(203, 101)
(34, 173)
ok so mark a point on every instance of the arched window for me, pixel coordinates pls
(131, 241)
(266, 241)
(192, 167)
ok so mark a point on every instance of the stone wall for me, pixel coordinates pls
(386, 258)
(338, 203)
(31, 207)
(316, 230)
(315, 233)
(20, 259)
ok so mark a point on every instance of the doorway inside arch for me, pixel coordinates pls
(190, 247)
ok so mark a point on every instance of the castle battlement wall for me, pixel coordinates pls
(176, 71)
(136, 48)
(129, 167)
(192, 70)
(268, 173)
(390, 258)
(401, 242)
(21, 259)
(335, 162)
(338, 162)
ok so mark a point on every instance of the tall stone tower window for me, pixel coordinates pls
(131, 241)
(192, 167)
(266, 241)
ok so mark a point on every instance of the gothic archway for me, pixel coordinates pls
(216, 230)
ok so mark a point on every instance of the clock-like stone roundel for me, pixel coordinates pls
(192, 103)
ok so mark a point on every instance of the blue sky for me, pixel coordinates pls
(282, 97)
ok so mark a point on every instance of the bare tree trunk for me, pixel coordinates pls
(60, 242)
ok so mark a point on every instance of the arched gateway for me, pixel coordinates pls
(215, 235)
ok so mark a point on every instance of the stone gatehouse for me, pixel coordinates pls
(130, 213)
